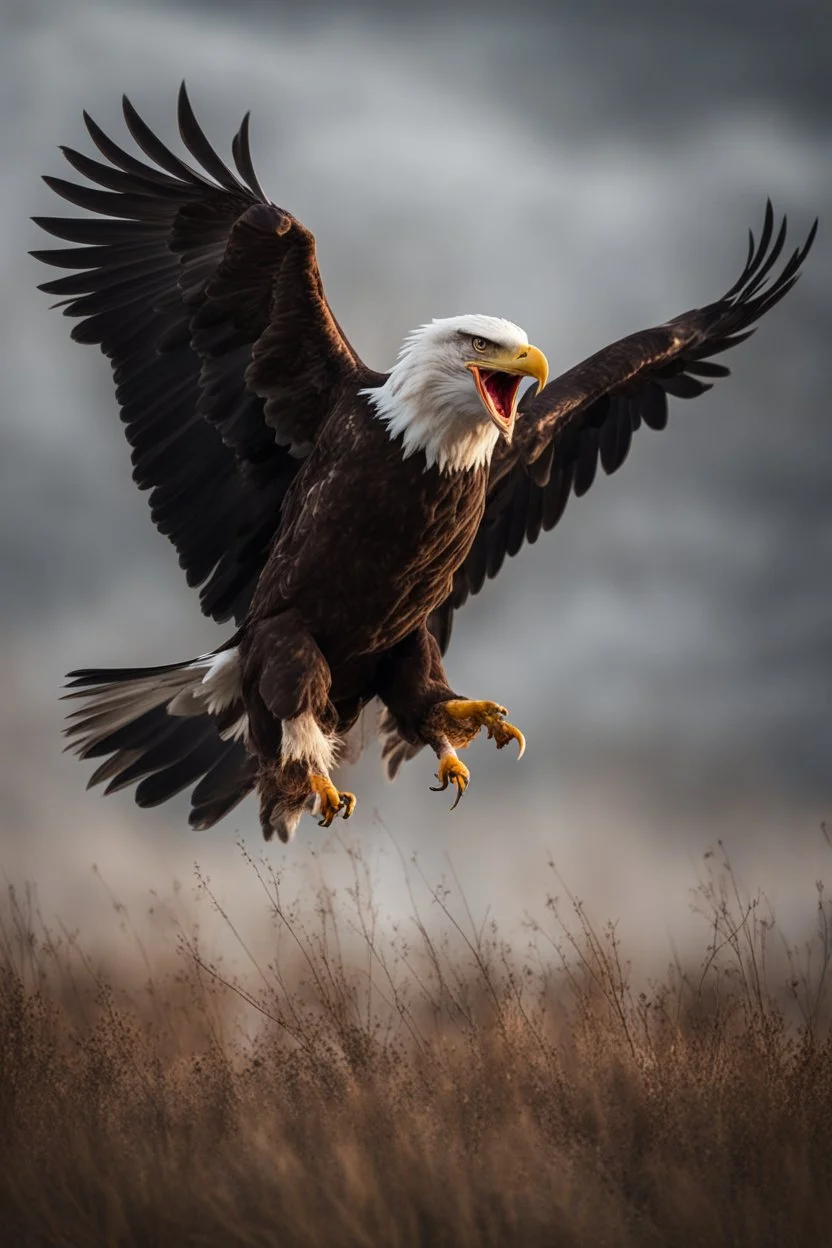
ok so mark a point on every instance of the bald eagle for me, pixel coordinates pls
(340, 516)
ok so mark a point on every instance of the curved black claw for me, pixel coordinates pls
(452, 770)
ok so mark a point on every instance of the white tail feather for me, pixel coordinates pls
(208, 685)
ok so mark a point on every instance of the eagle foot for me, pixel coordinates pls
(330, 801)
(473, 715)
(451, 771)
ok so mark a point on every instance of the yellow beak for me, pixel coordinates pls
(494, 376)
(528, 361)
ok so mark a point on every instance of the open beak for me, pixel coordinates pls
(498, 380)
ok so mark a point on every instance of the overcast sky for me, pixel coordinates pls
(668, 649)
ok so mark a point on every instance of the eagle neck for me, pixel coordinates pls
(430, 420)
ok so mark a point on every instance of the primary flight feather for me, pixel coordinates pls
(340, 516)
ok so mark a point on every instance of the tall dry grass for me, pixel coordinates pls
(422, 1083)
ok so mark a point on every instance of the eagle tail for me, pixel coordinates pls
(164, 729)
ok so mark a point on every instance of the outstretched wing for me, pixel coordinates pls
(208, 301)
(589, 414)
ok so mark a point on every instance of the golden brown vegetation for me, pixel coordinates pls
(421, 1086)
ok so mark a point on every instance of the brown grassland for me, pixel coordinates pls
(420, 1083)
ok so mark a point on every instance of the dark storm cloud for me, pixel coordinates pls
(584, 169)
(629, 61)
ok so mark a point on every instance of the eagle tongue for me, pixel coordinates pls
(501, 388)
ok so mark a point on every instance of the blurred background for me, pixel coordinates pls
(585, 169)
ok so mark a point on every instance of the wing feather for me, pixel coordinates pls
(208, 301)
(241, 151)
(197, 144)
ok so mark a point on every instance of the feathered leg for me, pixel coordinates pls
(286, 683)
(426, 711)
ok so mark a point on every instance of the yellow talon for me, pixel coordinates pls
(488, 715)
(464, 708)
(348, 801)
(502, 732)
(452, 770)
(331, 801)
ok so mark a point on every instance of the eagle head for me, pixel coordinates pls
(454, 387)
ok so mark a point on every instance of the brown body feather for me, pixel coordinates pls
(369, 541)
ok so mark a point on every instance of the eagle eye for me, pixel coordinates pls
(479, 344)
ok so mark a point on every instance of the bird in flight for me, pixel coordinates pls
(340, 516)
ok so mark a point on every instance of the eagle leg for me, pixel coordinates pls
(462, 719)
(424, 710)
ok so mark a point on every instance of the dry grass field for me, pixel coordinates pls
(426, 1084)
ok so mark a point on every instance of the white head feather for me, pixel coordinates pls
(430, 399)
